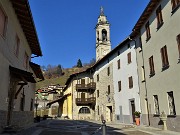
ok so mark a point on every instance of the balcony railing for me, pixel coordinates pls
(91, 85)
(85, 101)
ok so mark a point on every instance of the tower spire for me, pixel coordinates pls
(102, 11)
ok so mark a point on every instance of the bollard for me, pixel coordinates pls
(103, 127)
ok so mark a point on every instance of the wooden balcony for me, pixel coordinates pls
(91, 85)
(85, 101)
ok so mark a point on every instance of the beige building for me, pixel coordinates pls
(79, 97)
(18, 44)
(158, 53)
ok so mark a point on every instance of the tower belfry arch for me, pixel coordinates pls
(103, 44)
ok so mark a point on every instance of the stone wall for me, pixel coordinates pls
(3, 118)
(22, 118)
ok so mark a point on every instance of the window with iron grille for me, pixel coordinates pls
(172, 109)
(151, 66)
(148, 34)
(84, 110)
(119, 85)
(156, 105)
(129, 57)
(164, 57)
(130, 82)
(3, 20)
(159, 17)
(118, 64)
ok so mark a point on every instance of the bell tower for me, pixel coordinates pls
(103, 44)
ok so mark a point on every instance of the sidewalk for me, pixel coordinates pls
(143, 128)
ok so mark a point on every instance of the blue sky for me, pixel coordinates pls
(66, 31)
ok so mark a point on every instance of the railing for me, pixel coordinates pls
(91, 100)
(91, 85)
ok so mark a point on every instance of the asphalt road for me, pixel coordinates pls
(75, 127)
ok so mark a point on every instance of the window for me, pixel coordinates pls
(151, 66)
(148, 34)
(31, 105)
(98, 78)
(129, 57)
(22, 100)
(156, 104)
(104, 35)
(2, 22)
(159, 17)
(119, 85)
(97, 93)
(98, 109)
(175, 4)
(143, 75)
(26, 60)
(164, 57)
(108, 71)
(178, 42)
(130, 82)
(109, 90)
(84, 110)
(172, 109)
(16, 47)
(118, 64)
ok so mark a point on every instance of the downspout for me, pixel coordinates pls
(144, 78)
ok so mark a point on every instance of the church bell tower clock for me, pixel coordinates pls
(103, 44)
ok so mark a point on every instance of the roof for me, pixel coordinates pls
(22, 75)
(146, 13)
(25, 18)
(37, 70)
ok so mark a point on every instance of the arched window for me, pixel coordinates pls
(104, 35)
(84, 110)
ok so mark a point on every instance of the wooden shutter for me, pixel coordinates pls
(147, 31)
(159, 16)
(130, 82)
(151, 65)
(164, 56)
(129, 57)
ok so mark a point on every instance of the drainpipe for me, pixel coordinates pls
(144, 78)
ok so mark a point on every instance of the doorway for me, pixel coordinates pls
(109, 114)
(132, 110)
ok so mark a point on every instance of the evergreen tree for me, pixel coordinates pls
(79, 63)
(59, 70)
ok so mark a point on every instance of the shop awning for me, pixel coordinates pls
(22, 75)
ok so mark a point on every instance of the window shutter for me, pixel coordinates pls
(130, 82)
(129, 57)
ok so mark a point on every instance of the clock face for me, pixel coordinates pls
(104, 52)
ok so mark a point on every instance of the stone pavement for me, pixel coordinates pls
(73, 127)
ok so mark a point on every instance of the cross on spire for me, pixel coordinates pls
(102, 11)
